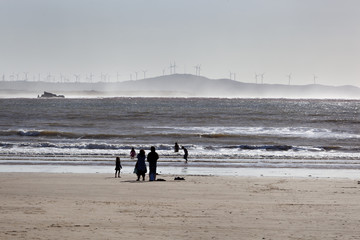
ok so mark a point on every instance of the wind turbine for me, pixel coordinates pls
(315, 77)
(104, 77)
(172, 68)
(196, 70)
(144, 71)
(91, 77)
(48, 77)
(232, 76)
(256, 77)
(136, 75)
(77, 77)
(262, 78)
(26, 76)
(61, 78)
(163, 71)
(289, 78)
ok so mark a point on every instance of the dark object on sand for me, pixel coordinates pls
(179, 178)
(161, 180)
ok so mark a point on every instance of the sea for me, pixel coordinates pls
(239, 137)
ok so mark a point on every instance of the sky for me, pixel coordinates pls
(129, 39)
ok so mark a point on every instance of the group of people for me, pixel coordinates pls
(176, 148)
(140, 167)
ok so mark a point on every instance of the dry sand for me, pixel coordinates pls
(98, 206)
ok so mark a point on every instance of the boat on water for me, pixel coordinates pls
(50, 95)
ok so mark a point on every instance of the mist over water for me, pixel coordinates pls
(177, 85)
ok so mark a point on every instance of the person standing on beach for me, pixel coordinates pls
(118, 167)
(176, 147)
(132, 153)
(141, 165)
(152, 158)
(185, 153)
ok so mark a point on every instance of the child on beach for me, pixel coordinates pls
(132, 153)
(118, 167)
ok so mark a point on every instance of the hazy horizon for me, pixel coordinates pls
(177, 85)
(123, 40)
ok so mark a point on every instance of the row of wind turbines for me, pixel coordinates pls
(105, 77)
(261, 76)
(49, 77)
(88, 77)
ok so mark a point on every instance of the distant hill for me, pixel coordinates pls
(178, 85)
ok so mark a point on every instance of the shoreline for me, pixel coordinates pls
(99, 206)
(188, 170)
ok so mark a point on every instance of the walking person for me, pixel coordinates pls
(185, 153)
(152, 158)
(118, 167)
(141, 165)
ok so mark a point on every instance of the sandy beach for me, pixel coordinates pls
(99, 206)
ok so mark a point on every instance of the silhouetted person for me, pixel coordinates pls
(152, 158)
(132, 153)
(141, 165)
(176, 147)
(185, 153)
(118, 167)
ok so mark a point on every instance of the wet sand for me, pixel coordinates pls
(99, 206)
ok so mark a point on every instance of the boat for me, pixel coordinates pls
(50, 95)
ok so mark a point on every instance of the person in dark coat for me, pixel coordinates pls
(176, 147)
(185, 153)
(152, 158)
(141, 165)
(118, 166)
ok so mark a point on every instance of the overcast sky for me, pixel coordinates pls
(275, 37)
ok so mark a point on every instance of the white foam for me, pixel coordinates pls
(184, 171)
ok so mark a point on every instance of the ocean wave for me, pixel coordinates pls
(59, 134)
(222, 132)
(293, 148)
(43, 133)
(169, 148)
(6, 145)
(90, 136)
(267, 147)
(192, 132)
